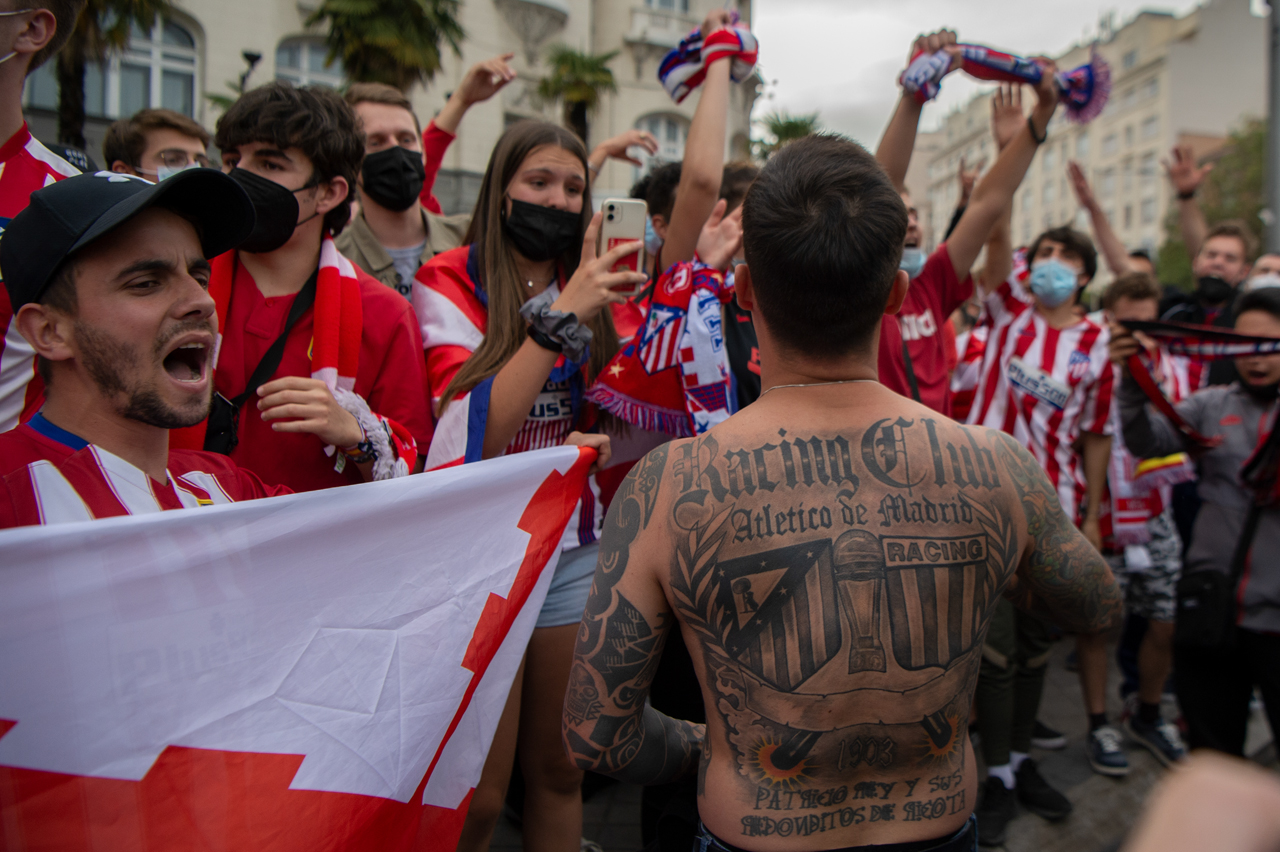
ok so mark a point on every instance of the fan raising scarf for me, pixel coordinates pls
(674, 375)
(335, 354)
(684, 68)
(1083, 90)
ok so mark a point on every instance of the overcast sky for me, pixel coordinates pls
(841, 57)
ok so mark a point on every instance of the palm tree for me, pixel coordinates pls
(577, 79)
(784, 127)
(102, 27)
(389, 41)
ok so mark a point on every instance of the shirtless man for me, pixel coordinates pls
(831, 555)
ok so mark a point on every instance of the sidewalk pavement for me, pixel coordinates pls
(1105, 808)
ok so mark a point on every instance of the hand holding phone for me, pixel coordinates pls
(624, 223)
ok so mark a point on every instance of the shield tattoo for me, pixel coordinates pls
(936, 597)
(783, 619)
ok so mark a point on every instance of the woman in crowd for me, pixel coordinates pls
(1214, 685)
(516, 324)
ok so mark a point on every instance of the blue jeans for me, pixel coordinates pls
(964, 840)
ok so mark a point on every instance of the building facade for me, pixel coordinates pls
(1174, 80)
(206, 45)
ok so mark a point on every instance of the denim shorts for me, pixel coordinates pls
(570, 587)
(963, 840)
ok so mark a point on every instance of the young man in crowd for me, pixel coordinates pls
(916, 348)
(836, 666)
(109, 277)
(155, 144)
(31, 32)
(345, 399)
(1046, 379)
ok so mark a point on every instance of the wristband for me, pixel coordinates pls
(1037, 138)
(545, 340)
(562, 328)
(363, 451)
(1186, 196)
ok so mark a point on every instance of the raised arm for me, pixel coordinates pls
(995, 191)
(1186, 178)
(482, 81)
(1061, 577)
(608, 725)
(1113, 251)
(616, 148)
(1147, 433)
(894, 150)
(703, 165)
(1007, 121)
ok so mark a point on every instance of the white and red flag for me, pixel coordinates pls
(320, 671)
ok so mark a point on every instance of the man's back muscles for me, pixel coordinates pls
(834, 589)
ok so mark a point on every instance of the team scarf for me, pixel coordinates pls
(1261, 471)
(337, 331)
(1084, 90)
(673, 376)
(685, 67)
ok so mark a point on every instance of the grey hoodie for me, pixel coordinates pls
(1229, 411)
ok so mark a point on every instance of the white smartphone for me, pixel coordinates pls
(623, 222)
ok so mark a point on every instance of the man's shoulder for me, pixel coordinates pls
(380, 303)
(356, 242)
(21, 446)
(236, 482)
(445, 233)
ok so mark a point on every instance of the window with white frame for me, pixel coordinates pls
(304, 62)
(669, 5)
(156, 69)
(670, 131)
(1150, 127)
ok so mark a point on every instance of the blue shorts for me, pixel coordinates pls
(570, 587)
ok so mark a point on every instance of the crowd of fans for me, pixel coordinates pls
(348, 331)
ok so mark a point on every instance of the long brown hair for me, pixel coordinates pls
(499, 276)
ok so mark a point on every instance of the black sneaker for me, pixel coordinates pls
(1042, 736)
(1160, 738)
(1106, 755)
(996, 808)
(1037, 796)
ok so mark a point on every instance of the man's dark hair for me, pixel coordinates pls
(60, 293)
(1142, 253)
(1135, 286)
(126, 139)
(735, 182)
(314, 119)
(1267, 299)
(1074, 242)
(660, 194)
(823, 228)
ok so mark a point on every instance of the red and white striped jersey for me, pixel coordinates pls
(50, 476)
(1044, 386)
(453, 312)
(25, 166)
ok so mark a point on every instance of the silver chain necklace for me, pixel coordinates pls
(818, 384)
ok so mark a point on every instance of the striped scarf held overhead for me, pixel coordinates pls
(685, 67)
(337, 331)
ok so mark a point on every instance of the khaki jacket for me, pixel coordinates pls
(362, 248)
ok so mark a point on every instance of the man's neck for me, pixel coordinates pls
(12, 76)
(284, 271)
(143, 446)
(395, 229)
(1063, 316)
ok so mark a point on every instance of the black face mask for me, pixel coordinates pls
(542, 233)
(1212, 290)
(393, 178)
(1262, 393)
(275, 211)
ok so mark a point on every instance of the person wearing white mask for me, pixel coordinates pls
(1265, 273)
(154, 144)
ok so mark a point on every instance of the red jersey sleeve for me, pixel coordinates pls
(250, 487)
(434, 143)
(399, 391)
(1096, 415)
(889, 364)
(939, 275)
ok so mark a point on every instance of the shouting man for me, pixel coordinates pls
(831, 555)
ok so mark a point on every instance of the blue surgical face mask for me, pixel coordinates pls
(652, 242)
(912, 261)
(1053, 282)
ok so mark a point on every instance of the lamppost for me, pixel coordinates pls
(1272, 213)
(251, 58)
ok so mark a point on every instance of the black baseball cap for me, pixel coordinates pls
(73, 212)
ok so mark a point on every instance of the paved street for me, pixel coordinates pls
(1104, 807)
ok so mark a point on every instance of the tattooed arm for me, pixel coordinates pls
(608, 725)
(1062, 577)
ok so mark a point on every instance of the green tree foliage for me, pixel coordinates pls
(1233, 190)
(396, 42)
(781, 128)
(102, 27)
(577, 80)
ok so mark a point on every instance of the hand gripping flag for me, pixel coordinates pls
(673, 376)
(684, 68)
(320, 671)
(1084, 90)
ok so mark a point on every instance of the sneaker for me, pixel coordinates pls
(586, 845)
(1042, 736)
(994, 811)
(1105, 754)
(1037, 796)
(1160, 738)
